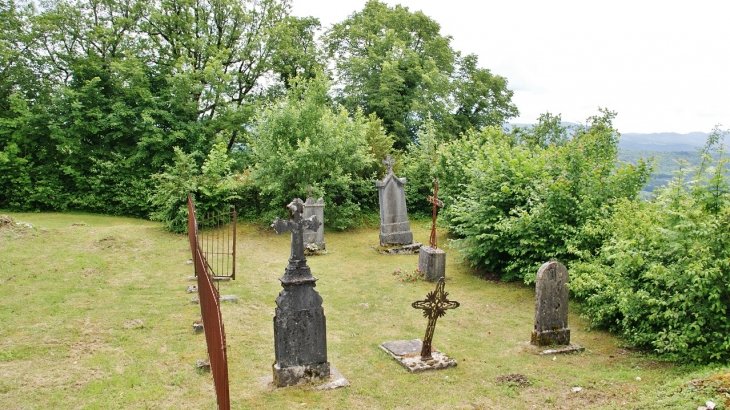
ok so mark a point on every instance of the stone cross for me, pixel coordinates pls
(309, 190)
(296, 224)
(436, 204)
(389, 162)
(433, 307)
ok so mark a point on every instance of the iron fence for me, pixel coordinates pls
(217, 241)
(215, 335)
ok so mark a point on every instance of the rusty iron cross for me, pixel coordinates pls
(433, 307)
(436, 204)
(389, 162)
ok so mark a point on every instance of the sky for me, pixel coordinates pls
(663, 66)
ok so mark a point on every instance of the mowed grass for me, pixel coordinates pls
(94, 314)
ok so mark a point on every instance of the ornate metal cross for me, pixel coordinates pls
(389, 162)
(433, 307)
(436, 204)
(296, 224)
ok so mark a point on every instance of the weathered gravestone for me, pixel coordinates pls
(316, 237)
(551, 306)
(300, 341)
(416, 355)
(395, 230)
(431, 260)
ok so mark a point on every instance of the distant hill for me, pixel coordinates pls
(658, 141)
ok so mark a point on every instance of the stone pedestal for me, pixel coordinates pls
(432, 262)
(314, 208)
(551, 306)
(300, 338)
(408, 354)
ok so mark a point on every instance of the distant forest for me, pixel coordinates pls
(666, 164)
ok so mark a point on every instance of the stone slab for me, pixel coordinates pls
(432, 262)
(409, 249)
(408, 354)
(571, 348)
(335, 381)
(229, 298)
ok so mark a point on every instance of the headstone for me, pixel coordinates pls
(314, 208)
(300, 341)
(416, 355)
(431, 260)
(551, 306)
(394, 226)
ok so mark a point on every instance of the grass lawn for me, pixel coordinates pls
(94, 314)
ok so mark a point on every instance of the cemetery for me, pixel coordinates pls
(118, 331)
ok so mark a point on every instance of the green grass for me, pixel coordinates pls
(95, 315)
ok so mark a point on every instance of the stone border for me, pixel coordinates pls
(408, 354)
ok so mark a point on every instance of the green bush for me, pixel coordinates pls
(517, 204)
(302, 140)
(662, 279)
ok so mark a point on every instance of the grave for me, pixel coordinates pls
(551, 309)
(395, 230)
(300, 340)
(431, 259)
(416, 355)
(314, 240)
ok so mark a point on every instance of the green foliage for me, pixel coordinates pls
(397, 64)
(213, 190)
(301, 140)
(519, 204)
(662, 279)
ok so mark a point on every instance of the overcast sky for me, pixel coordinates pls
(663, 65)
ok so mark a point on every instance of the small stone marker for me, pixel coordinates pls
(300, 340)
(415, 355)
(551, 307)
(314, 208)
(431, 260)
(395, 230)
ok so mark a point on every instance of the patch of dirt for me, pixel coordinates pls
(134, 324)
(719, 383)
(514, 379)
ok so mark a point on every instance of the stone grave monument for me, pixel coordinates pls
(431, 260)
(395, 230)
(314, 240)
(551, 309)
(418, 356)
(300, 341)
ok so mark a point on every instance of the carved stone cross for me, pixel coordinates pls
(433, 307)
(296, 224)
(389, 162)
(436, 204)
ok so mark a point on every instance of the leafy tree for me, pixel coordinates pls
(396, 63)
(301, 140)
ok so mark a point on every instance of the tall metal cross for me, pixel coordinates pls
(389, 162)
(436, 204)
(296, 224)
(433, 307)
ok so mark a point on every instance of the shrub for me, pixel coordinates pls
(662, 279)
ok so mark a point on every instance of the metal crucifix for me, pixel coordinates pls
(436, 204)
(433, 307)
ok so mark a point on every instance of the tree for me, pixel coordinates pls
(396, 64)
(391, 62)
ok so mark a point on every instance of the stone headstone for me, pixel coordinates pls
(300, 341)
(394, 226)
(551, 306)
(314, 208)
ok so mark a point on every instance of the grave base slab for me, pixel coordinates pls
(409, 249)
(334, 381)
(408, 354)
(571, 348)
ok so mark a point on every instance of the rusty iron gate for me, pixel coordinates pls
(217, 240)
(215, 335)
